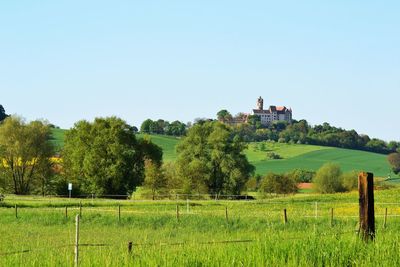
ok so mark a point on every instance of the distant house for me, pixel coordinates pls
(274, 113)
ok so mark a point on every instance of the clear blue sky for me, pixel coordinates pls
(334, 61)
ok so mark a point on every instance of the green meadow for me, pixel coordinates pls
(313, 157)
(252, 233)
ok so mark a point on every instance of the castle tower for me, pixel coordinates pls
(260, 103)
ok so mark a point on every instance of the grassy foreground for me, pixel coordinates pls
(253, 235)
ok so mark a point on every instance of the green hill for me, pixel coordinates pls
(294, 156)
(58, 138)
(167, 143)
(313, 157)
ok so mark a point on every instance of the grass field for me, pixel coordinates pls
(58, 138)
(253, 235)
(294, 156)
(167, 143)
(313, 157)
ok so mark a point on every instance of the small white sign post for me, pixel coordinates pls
(70, 189)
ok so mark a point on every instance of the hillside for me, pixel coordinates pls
(294, 156)
(313, 157)
(167, 143)
(58, 138)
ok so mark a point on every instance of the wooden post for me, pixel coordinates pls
(177, 212)
(80, 209)
(316, 209)
(130, 247)
(66, 212)
(367, 212)
(16, 211)
(285, 220)
(226, 214)
(386, 215)
(76, 261)
(332, 218)
(187, 206)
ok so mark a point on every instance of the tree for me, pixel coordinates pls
(176, 128)
(224, 116)
(211, 158)
(154, 180)
(302, 176)
(394, 161)
(3, 114)
(25, 149)
(104, 157)
(174, 181)
(328, 179)
(278, 184)
(146, 125)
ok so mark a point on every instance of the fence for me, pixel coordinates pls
(287, 211)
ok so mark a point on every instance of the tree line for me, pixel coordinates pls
(104, 157)
(328, 179)
(301, 132)
(175, 128)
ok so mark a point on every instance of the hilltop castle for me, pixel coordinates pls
(272, 114)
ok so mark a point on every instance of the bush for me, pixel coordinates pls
(272, 155)
(278, 184)
(302, 176)
(350, 181)
(394, 161)
(328, 179)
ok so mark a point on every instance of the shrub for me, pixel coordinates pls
(278, 184)
(252, 184)
(350, 181)
(328, 179)
(272, 155)
(302, 176)
(394, 161)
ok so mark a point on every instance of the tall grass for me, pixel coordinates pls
(195, 240)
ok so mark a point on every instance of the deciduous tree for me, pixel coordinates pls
(154, 180)
(25, 150)
(3, 114)
(394, 161)
(104, 157)
(212, 158)
(328, 179)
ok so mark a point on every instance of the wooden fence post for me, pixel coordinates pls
(226, 214)
(177, 212)
(16, 211)
(285, 219)
(80, 209)
(119, 212)
(66, 212)
(130, 247)
(76, 261)
(332, 222)
(386, 215)
(367, 212)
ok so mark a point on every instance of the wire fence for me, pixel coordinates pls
(131, 245)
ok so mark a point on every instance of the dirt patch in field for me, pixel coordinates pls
(305, 186)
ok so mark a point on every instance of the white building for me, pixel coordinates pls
(272, 114)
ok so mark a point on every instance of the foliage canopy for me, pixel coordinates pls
(104, 157)
(25, 150)
(211, 159)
